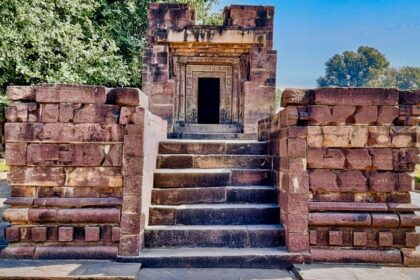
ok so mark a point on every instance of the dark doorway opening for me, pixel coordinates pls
(208, 100)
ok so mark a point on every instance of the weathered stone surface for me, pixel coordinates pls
(76, 252)
(357, 256)
(379, 136)
(59, 93)
(339, 219)
(39, 234)
(326, 158)
(94, 177)
(383, 181)
(97, 113)
(382, 159)
(65, 234)
(15, 153)
(359, 239)
(352, 180)
(387, 114)
(124, 97)
(91, 233)
(358, 159)
(325, 180)
(386, 239)
(385, 220)
(335, 238)
(356, 96)
(366, 115)
(132, 115)
(33, 176)
(88, 215)
(50, 113)
(295, 97)
(320, 115)
(20, 93)
(12, 234)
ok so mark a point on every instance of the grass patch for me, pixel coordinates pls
(3, 167)
(417, 174)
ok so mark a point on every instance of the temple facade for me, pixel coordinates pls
(197, 75)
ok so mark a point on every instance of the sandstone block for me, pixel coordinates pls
(42, 154)
(295, 97)
(130, 245)
(382, 159)
(15, 153)
(320, 115)
(49, 113)
(91, 233)
(88, 215)
(366, 115)
(97, 113)
(343, 114)
(132, 115)
(20, 93)
(412, 239)
(39, 234)
(402, 136)
(383, 181)
(409, 220)
(411, 257)
(124, 97)
(297, 132)
(313, 237)
(356, 96)
(386, 239)
(116, 233)
(33, 176)
(405, 159)
(94, 177)
(297, 242)
(410, 97)
(130, 223)
(387, 114)
(357, 256)
(66, 112)
(65, 234)
(59, 93)
(42, 215)
(358, 159)
(335, 238)
(352, 180)
(379, 136)
(315, 138)
(18, 252)
(339, 219)
(12, 234)
(385, 220)
(296, 148)
(323, 180)
(16, 215)
(359, 239)
(296, 223)
(17, 112)
(76, 252)
(326, 158)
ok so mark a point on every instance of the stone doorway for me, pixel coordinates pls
(208, 100)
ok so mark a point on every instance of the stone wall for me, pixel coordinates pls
(81, 164)
(343, 162)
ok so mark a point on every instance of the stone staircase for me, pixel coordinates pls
(214, 205)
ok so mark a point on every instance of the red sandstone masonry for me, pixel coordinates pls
(82, 160)
(361, 146)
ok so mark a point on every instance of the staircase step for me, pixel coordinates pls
(214, 236)
(199, 136)
(207, 128)
(214, 161)
(190, 177)
(214, 214)
(231, 194)
(204, 147)
(272, 257)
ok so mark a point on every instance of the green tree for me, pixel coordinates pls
(77, 41)
(354, 68)
(403, 78)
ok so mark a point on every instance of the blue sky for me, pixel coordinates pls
(308, 32)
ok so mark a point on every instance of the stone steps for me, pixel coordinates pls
(212, 201)
(199, 136)
(272, 257)
(190, 177)
(207, 128)
(214, 161)
(214, 214)
(205, 147)
(229, 194)
(240, 236)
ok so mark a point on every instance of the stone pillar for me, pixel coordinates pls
(78, 169)
(345, 161)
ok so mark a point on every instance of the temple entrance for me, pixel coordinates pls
(208, 100)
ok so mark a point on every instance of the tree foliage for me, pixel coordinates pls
(353, 68)
(77, 41)
(367, 67)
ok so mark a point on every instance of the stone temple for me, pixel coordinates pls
(197, 170)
